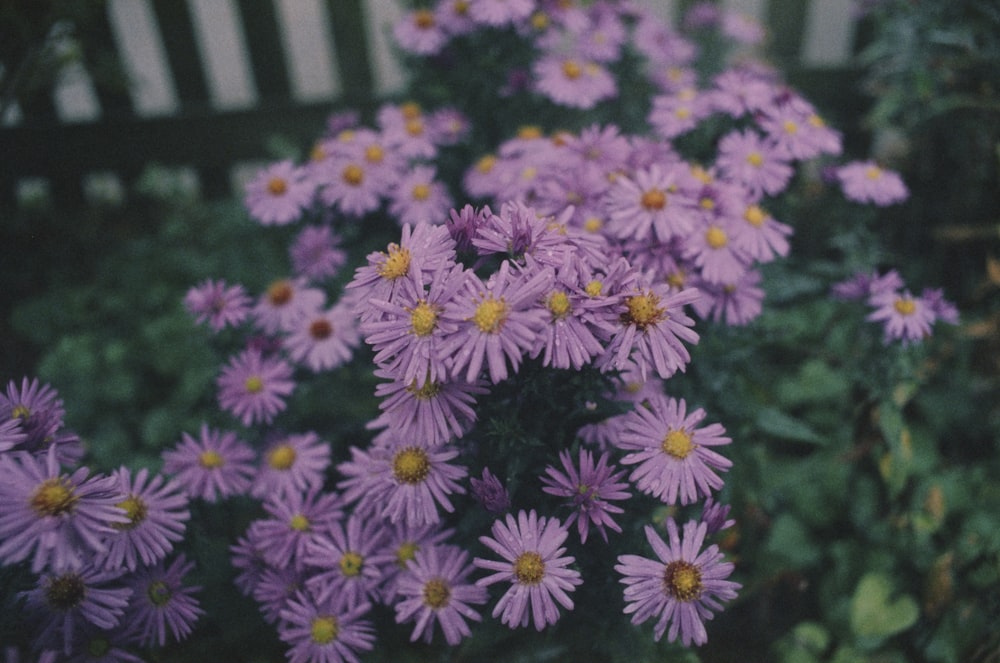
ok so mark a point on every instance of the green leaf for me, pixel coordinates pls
(778, 424)
(875, 615)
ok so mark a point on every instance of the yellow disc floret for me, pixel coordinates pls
(529, 568)
(281, 457)
(682, 580)
(396, 262)
(324, 629)
(54, 497)
(643, 310)
(677, 443)
(411, 465)
(490, 315)
(437, 592)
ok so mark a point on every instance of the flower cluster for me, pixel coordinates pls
(100, 548)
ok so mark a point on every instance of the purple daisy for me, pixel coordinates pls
(655, 201)
(157, 510)
(573, 81)
(534, 565)
(420, 33)
(651, 328)
(216, 465)
(295, 519)
(403, 481)
(38, 408)
(497, 13)
(284, 302)
(490, 492)
(867, 182)
(755, 162)
(500, 320)
(11, 433)
(589, 491)
(218, 304)
(682, 588)
(403, 542)
(56, 519)
(279, 194)
(315, 254)
(435, 588)
(65, 601)
(345, 557)
(324, 339)
(671, 451)
(419, 197)
(737, 302)
(291, 464)
(330, 629)
(351, 184)
(163, 602)
(252, 387)
(276, 587)
(906, 318)
(761, 235)
(247, 557)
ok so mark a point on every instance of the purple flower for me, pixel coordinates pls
(11, 433)
(162, 602)
(500, 322)
(755, 162)
(284, 302)
(56, 519)
(651, 327)
(490, 492)
(279, 194)
(314, 253)
(156, 510)
(715, 516)
(214, 466)
(276, 587)
(252, 387)
(655, 201)
(324, 339)
(533, 564)
(218, 304)
(497, 13)
(682, 588)
(330, 629)
(292, 464)
(419, 32)
(589, 491)
(419, 197)
(402, 543)
(673, 456)
(573, 81)
(435, 588)
(66, 601)
(403, 481)
(345, 557)
(431, 415)
(906, 318)
(867, 182)
(38, 408)
(247, 556)
(295, 519)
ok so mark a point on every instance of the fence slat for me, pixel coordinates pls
(367, 65)
(829, 32)
(223, 53)
(143, 56)
(266, 56)
(312, 66)
(175, 20)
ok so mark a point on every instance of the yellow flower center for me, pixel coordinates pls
(559, 304)
(490, 315)
(539, 20)
(873, 172)
(253, 384)
(437, 592)
(54, 497)
(529, 569)
(905, 306)
(324, 629)
(20, 411)
(411, 465)
(415, 127)
(486, 163)
(816, 121)
(593, 224)
(374, 154)
(423, 19)
(682, 113)
(280, 293)
(421, 192)
(351, 563)
(790, 127)
(347, 136)
(460, 7)
(64, 592)
(317, 153)
(353, 174)
(678, 444)
(654, 199)
(277, 186)
(682, 580)
(755, 159)
(396, 263)
(423, 318)
(755, 216)
(159, 593)
(643, 310)
(571, 69)
(426, 392)
(716, 237)
(701, 174)
(406, 552)
(677, 279)
(281, 457)
(529, 132)
(594, 288)
(136, 510)
(299, 523)
(410, 110)
(211, 459)
(320, 329)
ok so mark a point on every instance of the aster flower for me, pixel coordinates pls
(651, 328)
(402, 481)
(906, 318)
(715, 516)
(57, 520)
(497, 13)
(682, 589)
(351, 185)
(247, 556)
(760, 235)
(278, 194)
(218, 304)
(406, 130)
(675, 463)
(518, 233)
(163, 602)
(291, 464)
(654, 201)
(401, 546)
(277, 586)
(490, 492)
(500, 322)
(345, 556)
(63, 602)
(737, 302)
(11, 433)
(284, 302)
(420, 33)
(435, 588)
(215, 465)
(419, 197)
(315, 254)
(755, 162)
(252, 387)
(867, 182)
(534, 565)
(715, 249)
(37, 407)
(325, 338)
(589, 491)
(573, 81)
(294, 519)
(156, 509)
(330, 629)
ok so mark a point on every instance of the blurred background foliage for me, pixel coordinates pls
(865, 477)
